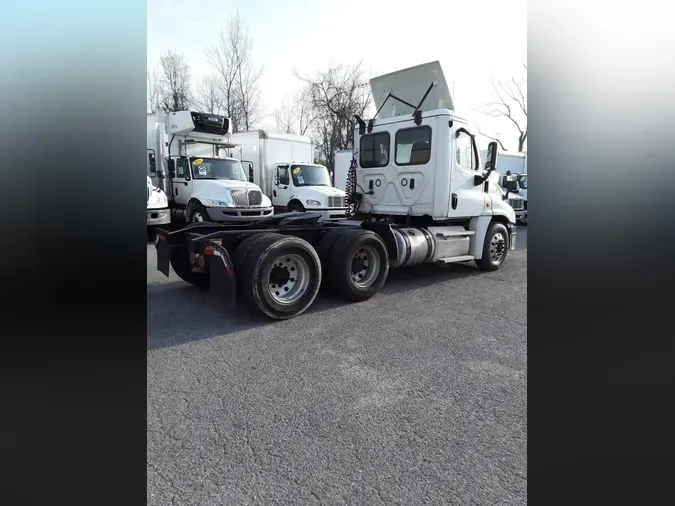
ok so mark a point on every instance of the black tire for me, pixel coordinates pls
(242, 251)
(268, 260)
(195, 209)
(295, 207)
(324, 249)
(343, 261)
(495, 249)
(180, 262)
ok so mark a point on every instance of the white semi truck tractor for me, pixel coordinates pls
(283, 166)
(201, 183)
(417, 192)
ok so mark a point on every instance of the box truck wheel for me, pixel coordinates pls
(242, 251)
(196, 212)
(359, 265)
(295, 207)
(180, 262)
(495, 247)
(281, 276)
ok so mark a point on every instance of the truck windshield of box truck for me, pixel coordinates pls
(310, 175)
(216, 168)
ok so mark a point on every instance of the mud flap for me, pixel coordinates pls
(223, 281)
(163, 254)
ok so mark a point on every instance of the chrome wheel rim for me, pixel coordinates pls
(365, 266)
(497, 247)
(289, 279)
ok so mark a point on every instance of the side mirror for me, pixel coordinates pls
(276, 179)
(151, 159)
(492, 156)
(250, 172)
(172, 167)
(490, 163)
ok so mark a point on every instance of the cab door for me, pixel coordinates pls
(182, 181)
(281, 189)
(466, 199)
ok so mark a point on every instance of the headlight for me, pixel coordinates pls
(162, 199)
(311, 202)
(216, 203)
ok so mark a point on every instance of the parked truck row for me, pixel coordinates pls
(417, 191)
(207, 173)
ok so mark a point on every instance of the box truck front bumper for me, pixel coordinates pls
(238, 213)
(159, 216)
(329, 213)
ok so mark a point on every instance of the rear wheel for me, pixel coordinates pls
(495, 247)
(359, 265)
(281, 276)
(180, 262)
(242, 251)
(324, 250)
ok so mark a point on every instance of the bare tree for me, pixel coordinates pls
(231, 56)
(335, 95)
(175, 81)
(510, 102)
(295, 116)
(155, 90)
(209, 95)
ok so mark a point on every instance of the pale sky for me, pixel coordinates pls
(473, 39)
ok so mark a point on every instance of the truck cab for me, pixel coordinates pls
(200, 182)
(282, 165)
(300, 187)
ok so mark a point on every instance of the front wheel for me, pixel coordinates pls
(495, 247)
(196, 213)
(295, 207)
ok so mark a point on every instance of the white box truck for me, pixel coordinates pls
(282, 165)
(199, 181)
(420, 194)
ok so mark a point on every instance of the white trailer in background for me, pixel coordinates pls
(343, 159)
(510, 170)
(283, 166)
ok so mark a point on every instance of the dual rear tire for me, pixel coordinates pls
(280, 275)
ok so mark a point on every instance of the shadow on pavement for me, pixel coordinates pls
(179, 313)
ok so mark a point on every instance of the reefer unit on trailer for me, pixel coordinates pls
(283, 166)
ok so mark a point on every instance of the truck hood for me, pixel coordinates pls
(219, 189)
(222, 186)
(321, 191)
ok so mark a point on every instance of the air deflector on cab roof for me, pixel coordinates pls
(409, 87)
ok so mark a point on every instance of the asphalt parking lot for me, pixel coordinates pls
(418, 395)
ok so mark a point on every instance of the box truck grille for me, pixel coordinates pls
(247, 198)
(516, 204)
(336, 201)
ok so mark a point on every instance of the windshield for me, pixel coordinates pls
(522, 182)
(310, 175)
(217, 168)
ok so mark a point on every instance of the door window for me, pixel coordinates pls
(413, 146)
(465, 151)
(282, 173)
